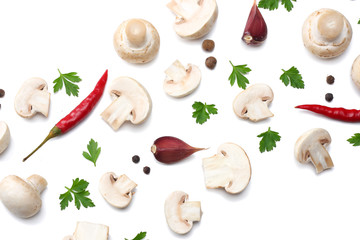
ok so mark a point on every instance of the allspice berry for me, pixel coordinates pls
(330, 79)
(208, 45)
(211, 62)
(2, 93)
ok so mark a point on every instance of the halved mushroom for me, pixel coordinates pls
(131, 102)
(117, 191)
(230, 169)
(32, 97)
(355, 71)
(180, 214)
(326, 33)
(136, 41)
(4, 136)
(89, 231)
(179, 81)
(253, 102)
(22, 197)
(311, 146)
(194, 18)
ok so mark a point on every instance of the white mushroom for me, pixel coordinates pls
(89, 231)
(117, 191)
(355, 71)
(311, 146)
(230, 169)
(22, 197)
(253, 102)
(131, 102)
(4, 136)
(32, 97)
(194, 18)
(326, 33)
(136, 41)
(180, 214)
(179, 81)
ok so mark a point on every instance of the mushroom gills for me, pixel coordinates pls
(320, 158)
(119, 111)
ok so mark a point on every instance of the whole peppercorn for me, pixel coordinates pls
(329, 97)
(146, 170)
(208, 45)
(136, 159)
(211, 62)
(330, 79)
(2, 93)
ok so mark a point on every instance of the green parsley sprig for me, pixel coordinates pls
(268, 141)
(68, 80)
(93, 153)
(293, 77)
(238, 75)
(78, 189)
(139, 236)
(355, 140)
(274, 4)
(359, 21)
(202, 111)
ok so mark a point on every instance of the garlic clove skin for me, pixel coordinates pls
(255, 31)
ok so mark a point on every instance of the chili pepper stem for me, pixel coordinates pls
(54, 132)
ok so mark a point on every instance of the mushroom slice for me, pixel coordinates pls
(311, 146)
(179, 81)
(136, 41)
(32, 97)
(89, 231)
(230, 169)
(22, 197)
(355, 71)
(4, 136)
(117, 191)
(180, 214)
(326, 33)
(194, 18)
(131, 102)
(253, 102)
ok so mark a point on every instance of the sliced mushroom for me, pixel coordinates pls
(311, 146)
(253, 102)
(136, 41)
(326, 33)
(4, 136)
(179, 81)
(355, 71)
(230, 169)
(89, 231)
(194, 18)
(180, 214)
(131, 102)
(32, 97)
(22, 197)
(117, 191)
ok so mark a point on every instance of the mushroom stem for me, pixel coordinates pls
(191, 211)
(320, 158)
(176, 72)
(40, 102)
(118, 112)
(125, 186)
(38, 182)
(185, 9)
(258, 111)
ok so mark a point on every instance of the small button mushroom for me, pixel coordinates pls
(131, 102)
(326, 33)
(33, 97)
(180, 214)
(136, 41)
(22, 197)
(355, 71)
(180, 82)
(4, 136)
(253, 102)
(194, 18)
(117, 191)
(230, 169)
(311, 146)
(89, 231)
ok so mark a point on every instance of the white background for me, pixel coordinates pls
(284, 200)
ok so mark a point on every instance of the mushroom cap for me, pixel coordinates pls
(4, 136)
(32, 97)
(230, 168)
(355, 71)
(131, 102)
(136, 41)
(253, 102)
(194, 18)
(117, 191)
(326, 33)
(21, 197)
(180, 82)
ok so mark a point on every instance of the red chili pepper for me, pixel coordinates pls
(342, 114)
(78, 114)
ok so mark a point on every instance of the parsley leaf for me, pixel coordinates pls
(67, 80)
(274, 4)
(359, 21)
(355, 140)
(78, 189)
(293, 77)
(202, 111)
(268, 141)
(237, 74)
(140, 236)
(94, 151)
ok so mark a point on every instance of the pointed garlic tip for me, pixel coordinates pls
(255, 31)
(311, 146)
(4, 136)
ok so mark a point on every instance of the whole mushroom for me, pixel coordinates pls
(22, 197)
(326, 33)
(355, 71)
(89, 231)
(4, 136)
(136, 41)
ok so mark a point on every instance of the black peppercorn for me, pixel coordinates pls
(2, 93)
(136, 159)
(211, 62)
(330, 79)
(146, 170)
(329, 97)
(208, 45)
